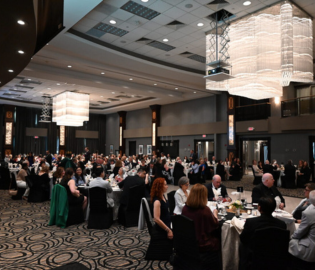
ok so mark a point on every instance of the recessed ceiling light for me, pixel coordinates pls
(47, 44)
(112, 21)
(48, 88)
(58, 83)
(171, 95)
(29, 79)
(101, 96)
(40, 92)
(69, 66)
(195, 92)
(155, 84)
(103, 73)
(10, 70)
(176, 88)
(200, 24)
(131, 79)
(165, 40)
(247, 3)
(144, 1)
(113, 92)
(20, 22)
(20, 52)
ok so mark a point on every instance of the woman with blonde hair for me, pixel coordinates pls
(206, 224)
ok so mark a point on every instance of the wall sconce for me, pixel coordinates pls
(153, 134)
(120, 136)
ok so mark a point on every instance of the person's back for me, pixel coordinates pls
(129, 182)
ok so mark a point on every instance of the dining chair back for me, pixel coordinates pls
(265, 258)
(171, 201)
(4, 178)
(257, 179)
(101, 216)
(13, 185)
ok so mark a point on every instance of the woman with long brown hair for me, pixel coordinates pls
(205, 223)
(161, 213)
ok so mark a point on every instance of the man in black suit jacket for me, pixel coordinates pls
(216, 184)
(267, 189)
(267, 168)
(289, 178)
(178, 170)
(193, 156)
(266, 205)
(87, 155)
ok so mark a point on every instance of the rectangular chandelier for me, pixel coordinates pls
(268, 50)
(71, 109)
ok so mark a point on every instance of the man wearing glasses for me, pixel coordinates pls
(267, 189)
(297, 212)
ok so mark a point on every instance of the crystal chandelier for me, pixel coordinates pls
(45, 116)
(70, 109)
(267, 50)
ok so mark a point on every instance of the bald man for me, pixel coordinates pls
(216, 189)
(267, 189)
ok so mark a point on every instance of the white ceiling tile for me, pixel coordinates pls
(133, 46)
(88, 22)
(122, 14)
(198, 34)
(188, 18)
(144, 49)
(153, 53)
(116, 3)
(118, 42)
(194, 4)
(187, 39)
(95, 15)
(176, 43)
(175, 12)
(173, 2)
(160, 6)
(164, 30)
(254, 8)
(204, 2)
(132, 36)
(187, 30)
(127, 26)
(140, 32)
(151, 26)
(202, 12)
(137, 21)
(162, 19)
(176, 35)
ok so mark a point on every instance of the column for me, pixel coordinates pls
(62, 140)
(231, 142)
(8, 129)
(155, 141)
(122, 127)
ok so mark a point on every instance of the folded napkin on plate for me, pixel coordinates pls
(237, 224)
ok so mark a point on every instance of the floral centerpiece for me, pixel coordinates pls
(236, 206)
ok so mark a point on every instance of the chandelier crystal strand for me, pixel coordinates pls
(286, 13)
(71, 109)
(45, 116)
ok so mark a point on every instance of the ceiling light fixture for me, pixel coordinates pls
(176, 88)
(200, 24)
(21, 52)
(113, 92)
(29, 79)
(112, 21)
(144, 1)
(247, 3)
(155, 84)
(103, 73)
(165, 40)
(195, 92)
(21, 22)
(10, 70)
(69, 66)
(48, 88)
(131, 79)
(58, 83)
(101, 96)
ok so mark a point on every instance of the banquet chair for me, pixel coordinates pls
(129, 215)
(13, 186)
(185, 244)
(171, 201)
(4, 178)
(257, 179)
(262, 256)
(59, 207)
(39, 188)
(159, 248)
(101, 216)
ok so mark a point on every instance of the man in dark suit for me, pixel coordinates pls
(289, 175)
(267, 168)
(87, 155)
(178, 170)
(267, 189)
(193, 156)
(266, 205)
(216, 185)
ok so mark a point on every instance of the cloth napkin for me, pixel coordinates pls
(237, 224)
(216, 192)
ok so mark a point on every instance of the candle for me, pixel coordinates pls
(249, 212)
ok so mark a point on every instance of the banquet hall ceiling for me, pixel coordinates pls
(127, 65)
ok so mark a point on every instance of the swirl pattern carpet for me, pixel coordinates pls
(27, 242)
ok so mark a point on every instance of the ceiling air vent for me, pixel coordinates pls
(193, 56)
(114, 99)
(221, 15)
(217, 4)
(123, 96)
(27, 81)
(175, 25)
(161, 46)
(103, 28)
(11, 95)
(104, 102)
(140, 10)
(23, 86)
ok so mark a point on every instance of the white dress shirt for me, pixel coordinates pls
(180, 200)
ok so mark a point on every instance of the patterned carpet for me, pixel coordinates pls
(247, 184)
(27, 242)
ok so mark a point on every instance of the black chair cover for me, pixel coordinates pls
(171, 201)
(4, 178)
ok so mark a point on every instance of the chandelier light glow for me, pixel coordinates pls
(268, 50)
(70, 109)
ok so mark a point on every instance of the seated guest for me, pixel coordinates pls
(100, 182)
(221, 170)
(186, 160)
(121, 175)
(21, 182)
(304, 175)
(266, 205)
(166, 171)
(44, 169)
(168, 157)
(161, 214)
(79, 177)
(267, 189)
(74, 196)
(227, 162)
(58, 175)
(193, 174)
(267, 168)
(194, 167)
(289, 175)
(216, 189)
(151, 170)
(257, 171)
(163, 156)
(143, 166)
(260, 165)
(302, 244)
(67, 162)
(118, 165)
(297, 212)
(206, 223)
(178, 170)
(203, 167)
(181, 195)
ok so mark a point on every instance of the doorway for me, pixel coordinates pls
(170, 147)
(254, 148)
(204, 149)
(132, 148)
